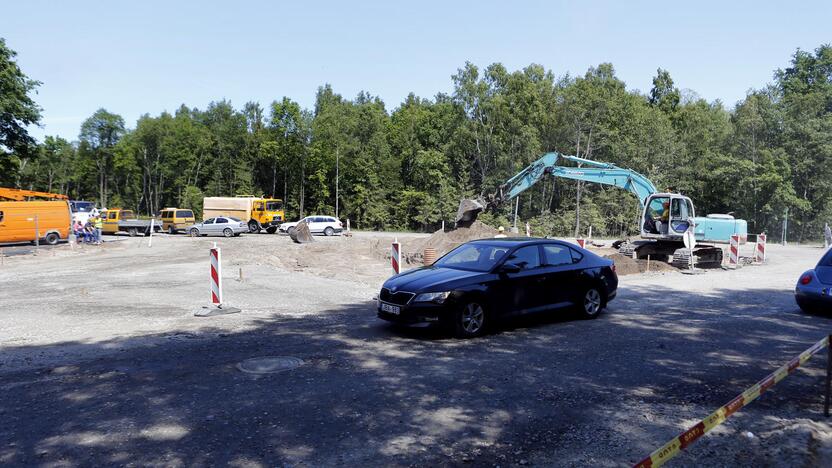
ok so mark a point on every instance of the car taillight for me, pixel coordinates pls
(806, 279)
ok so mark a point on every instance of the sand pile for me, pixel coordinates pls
(443, 242)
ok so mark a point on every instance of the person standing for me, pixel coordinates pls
(99, 224)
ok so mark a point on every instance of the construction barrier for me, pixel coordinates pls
(216, 276)
(396, 256)
(760, 249)
(685, 439)
(734, 251)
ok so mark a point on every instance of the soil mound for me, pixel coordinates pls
(444, 242)
(625, 265)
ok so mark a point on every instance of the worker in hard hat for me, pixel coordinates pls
(501, 232)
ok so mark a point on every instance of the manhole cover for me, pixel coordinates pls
(269, 365)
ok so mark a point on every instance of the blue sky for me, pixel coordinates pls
(142, 57)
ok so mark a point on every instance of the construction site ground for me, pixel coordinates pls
(102, 362)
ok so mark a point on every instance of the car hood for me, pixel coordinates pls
(431, 279)
(824, 274)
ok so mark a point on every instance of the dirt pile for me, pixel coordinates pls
(625, 265)
(443, 242)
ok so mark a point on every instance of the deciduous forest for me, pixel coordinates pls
(407, 165)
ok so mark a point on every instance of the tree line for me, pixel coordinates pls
(763, 159)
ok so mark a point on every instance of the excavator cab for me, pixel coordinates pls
(666, 216)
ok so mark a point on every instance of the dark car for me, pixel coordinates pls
(813, 291)
(483, 281)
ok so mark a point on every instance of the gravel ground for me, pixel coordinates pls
(102, 362)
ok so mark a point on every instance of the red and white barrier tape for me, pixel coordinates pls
(685, 439)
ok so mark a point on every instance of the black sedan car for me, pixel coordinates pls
(480, 282)
(813, 291)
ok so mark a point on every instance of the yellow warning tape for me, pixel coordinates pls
(669, 450)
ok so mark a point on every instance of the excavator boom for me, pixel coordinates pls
(588, 170)
(23, 195)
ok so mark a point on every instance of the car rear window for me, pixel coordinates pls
(184, 214)
(826, 260)
(557, 255)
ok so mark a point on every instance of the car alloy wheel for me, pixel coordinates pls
(133, 232)
(329, 231)
(194, 232)
(227, 232)
(471, 320)
(592, 303)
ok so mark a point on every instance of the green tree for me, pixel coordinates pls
(99, 135)
(17, 111)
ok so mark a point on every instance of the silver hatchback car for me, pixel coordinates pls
(219, 226)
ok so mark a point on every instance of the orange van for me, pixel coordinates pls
(19, 219)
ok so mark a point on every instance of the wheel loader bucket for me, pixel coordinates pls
(468, 211)
(301, 233)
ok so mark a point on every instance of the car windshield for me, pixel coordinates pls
(82, 206)
(274, 206)
(474, 257)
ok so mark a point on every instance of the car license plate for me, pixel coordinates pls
(390, 308)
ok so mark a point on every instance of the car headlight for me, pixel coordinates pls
(437, 297)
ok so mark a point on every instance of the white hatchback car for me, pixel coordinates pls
(326, 225)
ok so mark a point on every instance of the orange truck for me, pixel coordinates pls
(28, 221)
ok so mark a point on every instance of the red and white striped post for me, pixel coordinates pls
(581, 242)
(216, 276)
(734, 251)
(760, 249)
(396, 256)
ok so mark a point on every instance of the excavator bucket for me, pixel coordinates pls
(301, 233)
(468, 211)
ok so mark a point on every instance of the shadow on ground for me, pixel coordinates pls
(542, 390)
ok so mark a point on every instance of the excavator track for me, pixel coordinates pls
(704, 257)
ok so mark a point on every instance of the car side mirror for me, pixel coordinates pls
(509, 268)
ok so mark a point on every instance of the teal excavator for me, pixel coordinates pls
(665, 217)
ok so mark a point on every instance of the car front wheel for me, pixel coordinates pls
(171, 230)
(194, 232)
(470, 321)
(290, 230)
(591, 303)
(253, 227)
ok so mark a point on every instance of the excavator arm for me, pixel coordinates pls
(23, 195)
(588, 171)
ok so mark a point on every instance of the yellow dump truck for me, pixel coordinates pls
(258, 213)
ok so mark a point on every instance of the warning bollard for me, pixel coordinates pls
(216, 288)
(734, 251)
(216, 276)
(396, 256)
(760, 249)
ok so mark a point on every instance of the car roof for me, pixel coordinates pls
(515, 240)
